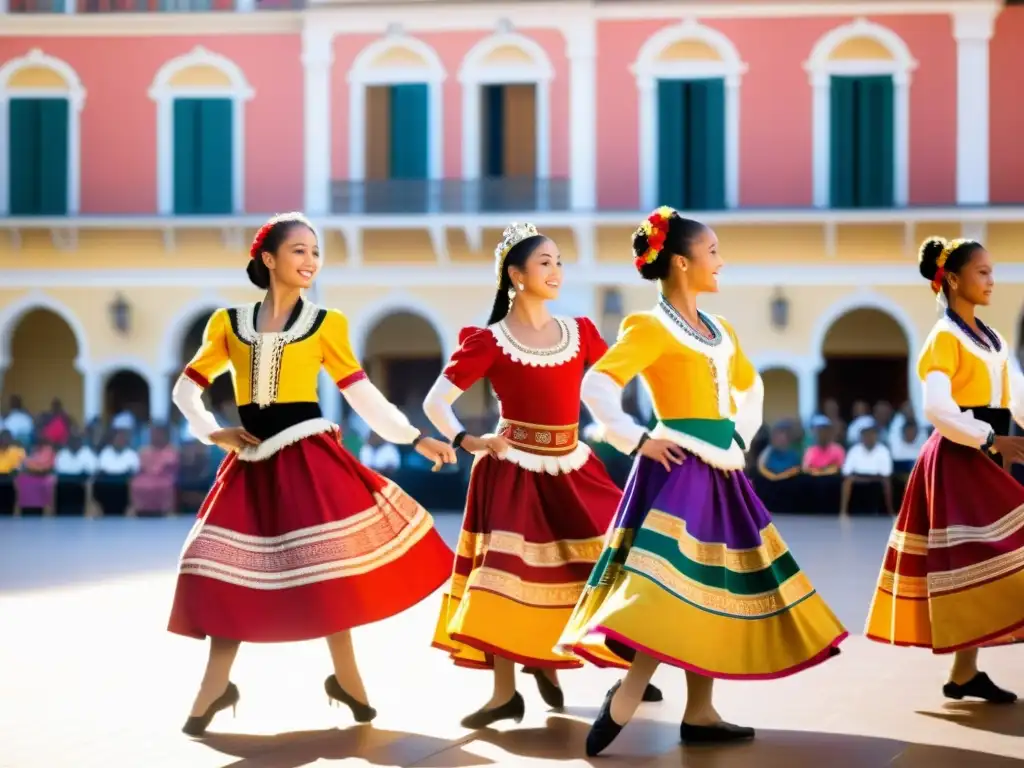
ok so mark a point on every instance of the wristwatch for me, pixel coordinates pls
(990, 442)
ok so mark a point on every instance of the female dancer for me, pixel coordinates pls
(953, 575)
(296, 539)
(695, 573)
(538, 501)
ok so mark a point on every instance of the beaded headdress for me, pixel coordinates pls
(513, 235)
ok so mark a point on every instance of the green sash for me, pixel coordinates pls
(717, 432)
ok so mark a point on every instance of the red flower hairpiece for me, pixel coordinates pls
(261, 236)
(656, 229)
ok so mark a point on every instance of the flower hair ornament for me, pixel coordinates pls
(513, 235)
(940, 264)
(261, 234)
(656, 230)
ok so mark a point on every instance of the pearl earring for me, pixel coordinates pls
(521, 286)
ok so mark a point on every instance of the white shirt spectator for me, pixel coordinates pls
(114, 462)
(382, 458)
(861, 460)
(901, 450)
(20, 425)
(80, 462)
(123, 421)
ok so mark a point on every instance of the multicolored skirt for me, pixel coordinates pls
(529, 541)
(301, 544)
(953, 573)
(696, 575)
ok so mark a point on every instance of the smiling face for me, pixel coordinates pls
(975, 280)
(541, 274)
(297, 260)
(704, 263)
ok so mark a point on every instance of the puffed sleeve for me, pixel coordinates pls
(1016, 387)
(936, 366)
(366, 400)
(591, 343)
(747, 391)
(208, 363)
(470, 363)
(641, 341)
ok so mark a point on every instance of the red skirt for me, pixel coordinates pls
(953, 574)
(303, 544)
(528, 543)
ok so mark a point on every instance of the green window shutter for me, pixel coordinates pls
(671, 142)
(23, 156)
(705, 153)
(874, 121)
(186, 153)
(215, 160)
(409, 131)
(842, 143)
(54, 115)
(494, 131)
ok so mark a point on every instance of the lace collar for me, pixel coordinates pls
(561, 353)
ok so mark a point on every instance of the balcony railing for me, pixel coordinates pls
(148, 6)
(492, 195)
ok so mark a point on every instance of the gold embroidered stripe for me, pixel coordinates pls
(514, 588)
(537, 554)
(718, 554)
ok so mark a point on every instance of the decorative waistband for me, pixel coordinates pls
(717, 432)
(539, 438)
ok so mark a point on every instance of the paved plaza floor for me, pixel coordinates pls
(89, 678)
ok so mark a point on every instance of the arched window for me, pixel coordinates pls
(41, 100)
(689, 80)
(506, 121)
(396, 125)
(860, 75)
(200, 100)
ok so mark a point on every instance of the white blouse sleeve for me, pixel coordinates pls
(379, 414)
(1016, 393)
(188, 397)
(438, 407)
(749, 411)
(942, 411)
(603, 397)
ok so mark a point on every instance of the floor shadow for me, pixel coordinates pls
(363, 742)
(1005, 720)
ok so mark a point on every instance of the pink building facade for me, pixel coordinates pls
(545, 106)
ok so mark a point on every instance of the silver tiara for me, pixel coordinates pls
(514, 234)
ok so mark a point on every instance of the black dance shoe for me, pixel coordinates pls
(979, 687)
(652, 693)
(604, 730)
(362, 713)
(513, 709)
(551, 693)
(719, 733)
(196, 725)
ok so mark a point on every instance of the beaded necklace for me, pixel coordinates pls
(716, 336)
(991, 340)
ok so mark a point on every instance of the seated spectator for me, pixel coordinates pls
(75, 467)
(830, 408)
(777, 476)
(825, 456)
(196, 473)
(152, 489)
(868, 469)
(11, 457)
(55, 425)
(383, 458)
(861, 412)
(906, 446)
(883, 415)
(116, 465)
(35, 482)
(18, 422)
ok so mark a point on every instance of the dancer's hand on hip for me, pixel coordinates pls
(438, 452)
(665, 452)
(233, 439)
(496, 445)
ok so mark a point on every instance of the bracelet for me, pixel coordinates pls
(457, 442)
(644, 439)
(419, 437)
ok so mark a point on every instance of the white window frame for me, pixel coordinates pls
(649, 70)
(73, 91)
(820, 69)
(164, 93)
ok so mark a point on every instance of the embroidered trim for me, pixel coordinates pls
(673, 314)
(351, 379)
(196, 377)
(286, 437)
(561, 353)
(553, 465)
(731, 458)
(267, 349)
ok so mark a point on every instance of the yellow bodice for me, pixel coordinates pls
(269, 368)
(688, 377)
(979, 377)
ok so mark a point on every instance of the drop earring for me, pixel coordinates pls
(520, 286)
(511, 295)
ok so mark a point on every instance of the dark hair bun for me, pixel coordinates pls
(928, 256)
(258, 273)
